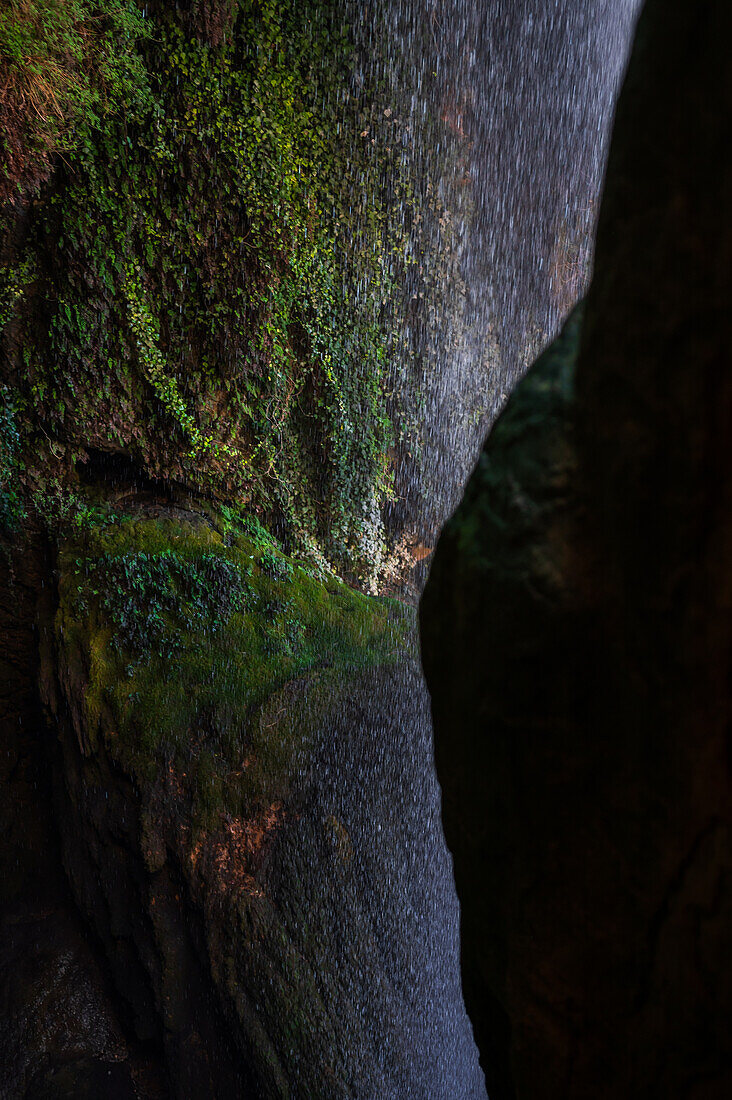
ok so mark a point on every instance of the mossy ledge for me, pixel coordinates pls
(197, 677)
(182, 630)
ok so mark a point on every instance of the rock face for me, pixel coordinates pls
(239, 804)
(207, 264)
(63, 1029)
(576, 636)
(226, 266)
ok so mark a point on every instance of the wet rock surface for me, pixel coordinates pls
(161, 941)
(296, 936)
(61, 1034)
(301, 941)
(63, 1031)
(576, 636)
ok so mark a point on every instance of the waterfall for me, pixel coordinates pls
(510, 106)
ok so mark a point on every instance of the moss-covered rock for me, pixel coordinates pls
(238, 813)
(183, 630)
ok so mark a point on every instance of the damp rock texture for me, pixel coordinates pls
(250, 342)
(248, 818)
(576, 635)
(62, 1028)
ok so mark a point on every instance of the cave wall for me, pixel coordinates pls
(64, 1030)
(576, 635)
(226, 872)
(247, 815)
(228, 266)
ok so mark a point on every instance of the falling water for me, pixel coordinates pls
(524, 93)
(525, 90)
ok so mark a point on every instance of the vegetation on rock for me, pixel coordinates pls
(199, 677)
(182, 632)
(207, 283)
(217, 265)
(63, 64)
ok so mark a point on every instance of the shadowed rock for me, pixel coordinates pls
(249, 819)
(576, 635)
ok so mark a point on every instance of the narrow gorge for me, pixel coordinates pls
(268, 275)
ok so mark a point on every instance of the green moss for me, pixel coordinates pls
(188, 640)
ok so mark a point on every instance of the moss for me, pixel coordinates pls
(189, 640)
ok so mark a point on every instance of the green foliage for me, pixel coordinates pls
(65, 512)
(274, 565)
(62, 62)
(185, 636)
(12, 510)
(13, 287)
(252, 528)
(143, 594)
(215, 278)
(145, 331)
